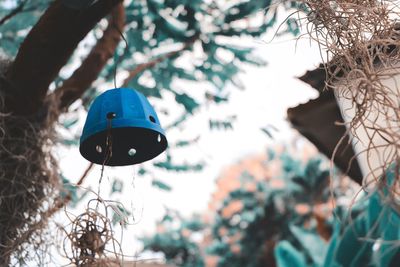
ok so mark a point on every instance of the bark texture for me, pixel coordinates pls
(82, 78)
(28, 172)
(45, 50)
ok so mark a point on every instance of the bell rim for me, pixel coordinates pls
(85, 144)
(120, 123)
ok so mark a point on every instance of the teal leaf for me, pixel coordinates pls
(245, 9)
(167, 218)
(267, 132)
(69, 190)
(185, 143)
(216, 98)
(70, 123)
(222, 124)
(311, 242)
(168, 165)
(120, 215)
(287, 256)
(142, 171)
(194, 224)
(117, 186)
(188, 102)
(161, 185)
(293, 26)
(351, 250)
(70, 142)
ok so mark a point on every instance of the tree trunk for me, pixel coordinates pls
(28, 173)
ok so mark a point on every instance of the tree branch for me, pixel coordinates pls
(12, 13)
(64, 202)
(144, 66)
(73, 88)
(46, 50)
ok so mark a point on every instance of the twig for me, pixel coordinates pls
(82, 78)
(39, 59)
(141, 67)
(85, 174)
(13, 12)
(61, 202)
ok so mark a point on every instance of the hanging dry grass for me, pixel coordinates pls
(91, 240)
(30, 196)
(361, 39)
(29, 183)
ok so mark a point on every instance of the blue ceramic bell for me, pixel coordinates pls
(121, 129)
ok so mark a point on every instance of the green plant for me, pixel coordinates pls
(264, 222)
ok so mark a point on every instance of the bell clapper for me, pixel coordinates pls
(132, 152)
(99, 149)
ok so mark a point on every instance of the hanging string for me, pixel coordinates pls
(108, 150)
(110, 116)
(94, 225)
(117, 57)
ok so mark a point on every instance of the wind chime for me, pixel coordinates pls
(122, 129)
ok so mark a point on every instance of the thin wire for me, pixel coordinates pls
(117, 57)
(108, 152)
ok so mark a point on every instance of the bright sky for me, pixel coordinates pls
(269, 92)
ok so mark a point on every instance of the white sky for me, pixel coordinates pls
(269, 92)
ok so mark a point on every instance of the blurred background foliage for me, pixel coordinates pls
(263, 208)
(285, 214)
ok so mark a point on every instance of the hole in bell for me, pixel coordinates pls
(99, 149)
(152, 119)
(132, 152)
(111, 115)
(159, 138)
